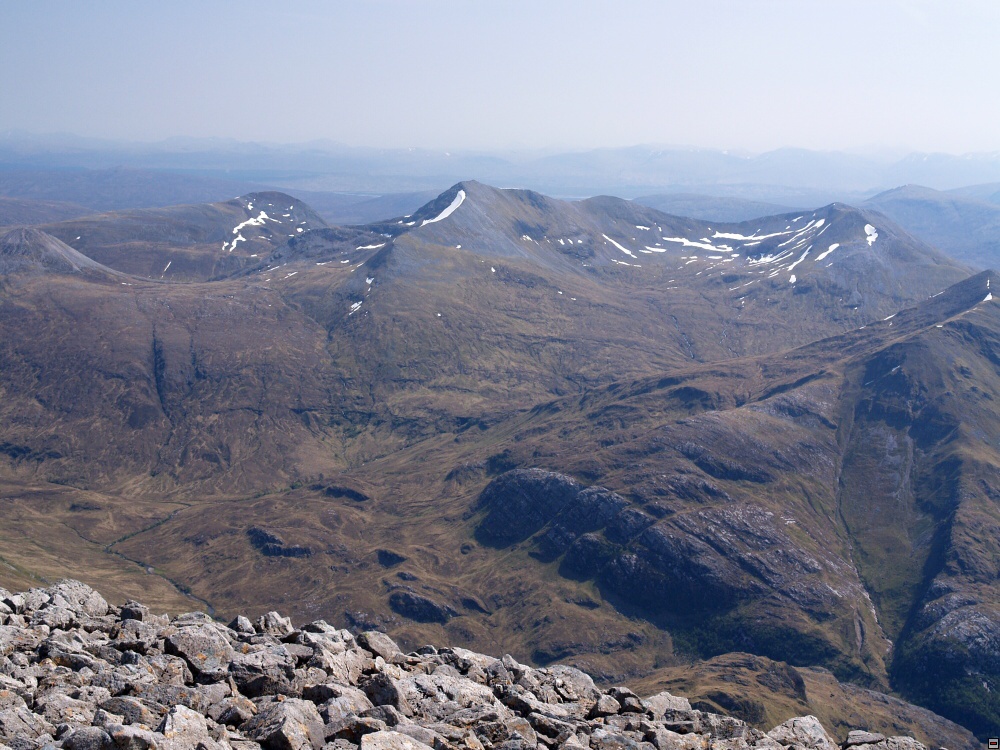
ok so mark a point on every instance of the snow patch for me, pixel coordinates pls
(766, 259)
(459, 198)
(257, 221)
(688, 243)
(354, 308)
(239, 238)
(625, 250)
(870, 234)
(792, 267)
(371, 247)
(791, 279)
(823, 254)
(757, 237)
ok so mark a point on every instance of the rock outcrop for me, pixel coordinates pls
(272, 545)
(78, 673)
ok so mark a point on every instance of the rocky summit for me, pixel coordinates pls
(79, 673)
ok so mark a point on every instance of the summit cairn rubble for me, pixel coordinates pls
(81, 674)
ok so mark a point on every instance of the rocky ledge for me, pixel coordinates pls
(78, 673)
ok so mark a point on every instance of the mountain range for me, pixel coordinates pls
(569, 430)
(787, 176)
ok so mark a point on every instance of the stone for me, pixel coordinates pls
(346, 667)
(57, 706)
(105, 719)
(132, 710)
(205, 649)
(134, 738)
(437, 696)
(133, 610)
(386, 714)
(805, 731)
(378, 643)
(242, 625)
(660, 703)
(233, 711)
(79, 598)
(198, 698)
(263, 670)
(605, 706)
(573, 685)
(183, 723)
(602, 739)
(54, 618)
(89, 738)
(170, 670)
(274, 624)
(353, 727)
(727, 727)
(135, 635)
(347, 701)
(21, 722)
(902, 743)
(291, 724)
(383, 690)
(665, 739)
(389, 740)
(861, 737)
(422, 734)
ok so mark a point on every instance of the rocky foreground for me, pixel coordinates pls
(78, 673)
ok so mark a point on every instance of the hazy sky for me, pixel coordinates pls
(745, 74)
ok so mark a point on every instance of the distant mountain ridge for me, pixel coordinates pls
(629, 171)
(967, 228)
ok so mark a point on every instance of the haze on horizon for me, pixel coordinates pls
(852, 75)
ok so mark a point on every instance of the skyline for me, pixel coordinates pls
(896, 75)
